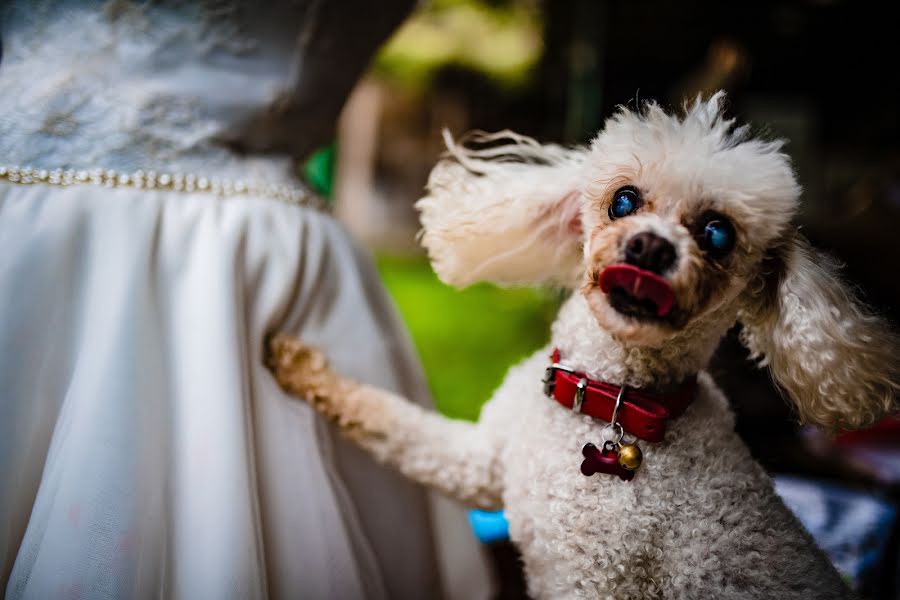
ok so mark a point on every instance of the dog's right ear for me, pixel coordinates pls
(506, 211)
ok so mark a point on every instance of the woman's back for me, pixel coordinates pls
(145, 449)
(205, 87)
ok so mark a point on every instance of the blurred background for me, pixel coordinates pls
(821, 73)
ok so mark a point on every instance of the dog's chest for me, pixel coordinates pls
(542, 467)
(558, 514)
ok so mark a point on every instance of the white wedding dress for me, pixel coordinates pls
(145, 450)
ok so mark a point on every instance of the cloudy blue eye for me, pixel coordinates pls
(716, 235)
(625, 201)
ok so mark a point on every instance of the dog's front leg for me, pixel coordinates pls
(455, 457)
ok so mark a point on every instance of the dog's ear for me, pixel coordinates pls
(837, 361)
(504, 209)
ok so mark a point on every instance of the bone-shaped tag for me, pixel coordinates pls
(603, 461)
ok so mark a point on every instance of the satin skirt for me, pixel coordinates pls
(146, 451)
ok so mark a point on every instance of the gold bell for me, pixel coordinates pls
(630, 456)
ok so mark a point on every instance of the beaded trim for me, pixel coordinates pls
(152, 180)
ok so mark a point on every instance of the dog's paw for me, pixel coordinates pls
(299, 369)
(303, 371)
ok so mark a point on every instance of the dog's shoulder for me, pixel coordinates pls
(520, 390)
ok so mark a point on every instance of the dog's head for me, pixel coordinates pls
(678, 214)
(666, 223)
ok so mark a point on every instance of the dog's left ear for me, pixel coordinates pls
(504, 209)
(837, 361)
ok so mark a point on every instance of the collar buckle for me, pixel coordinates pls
(549, 379)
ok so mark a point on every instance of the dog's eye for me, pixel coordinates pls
(716, 235)
(625, 201)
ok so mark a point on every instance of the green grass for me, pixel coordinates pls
(467, 339)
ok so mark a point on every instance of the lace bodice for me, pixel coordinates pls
(205, 86)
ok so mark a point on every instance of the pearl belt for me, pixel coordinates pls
(152, 180)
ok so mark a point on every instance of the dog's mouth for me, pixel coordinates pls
(635, 292)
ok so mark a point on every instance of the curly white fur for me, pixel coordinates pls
(701, 518)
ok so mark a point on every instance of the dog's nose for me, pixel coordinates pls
(650, 251)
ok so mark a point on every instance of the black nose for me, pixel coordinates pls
(650, 251)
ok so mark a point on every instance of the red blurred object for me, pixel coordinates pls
(885, 432)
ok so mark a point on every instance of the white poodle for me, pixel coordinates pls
(670, 229)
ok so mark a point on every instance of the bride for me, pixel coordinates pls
(152, 233)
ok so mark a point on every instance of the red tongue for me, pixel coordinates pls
(640, 284)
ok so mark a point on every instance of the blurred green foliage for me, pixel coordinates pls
(500, 39)
(467, 339)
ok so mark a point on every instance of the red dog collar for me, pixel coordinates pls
(641, 413)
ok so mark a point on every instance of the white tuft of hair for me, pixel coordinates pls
(502, 207)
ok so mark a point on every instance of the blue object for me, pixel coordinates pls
(851, 526)
(489, 526)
